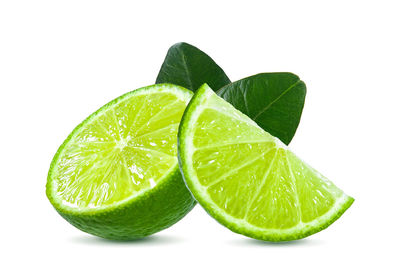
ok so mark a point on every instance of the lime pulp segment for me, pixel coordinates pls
(249, 180)
(120, 151)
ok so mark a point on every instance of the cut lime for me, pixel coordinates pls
(116, 175)
(249, 180)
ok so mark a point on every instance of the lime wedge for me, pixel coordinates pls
(249, 180)
(117, 175)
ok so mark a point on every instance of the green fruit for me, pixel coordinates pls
(249, 180)
(116, 175)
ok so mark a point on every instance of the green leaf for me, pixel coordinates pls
(188, 66)
(273, 100)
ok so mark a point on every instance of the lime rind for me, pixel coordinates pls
(147, 214)
(185, 151)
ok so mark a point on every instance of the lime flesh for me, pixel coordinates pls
(117, 173)
(249, 180)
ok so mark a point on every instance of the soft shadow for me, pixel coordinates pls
(150, 240)
(248, 242)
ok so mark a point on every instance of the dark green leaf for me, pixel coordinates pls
(273, 100)
(188, 66)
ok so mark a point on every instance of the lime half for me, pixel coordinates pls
(117, 175)
(249, 180)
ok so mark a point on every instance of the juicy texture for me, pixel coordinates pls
(248, 162)
(248, 179)
(122, 152)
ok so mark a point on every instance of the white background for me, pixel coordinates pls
(61, 60)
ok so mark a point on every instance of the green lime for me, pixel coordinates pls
(117, 175)
(249, 180)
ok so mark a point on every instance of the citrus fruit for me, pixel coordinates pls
(117, 175)
(247, 179)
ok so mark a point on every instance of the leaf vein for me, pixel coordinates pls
(276, 99)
